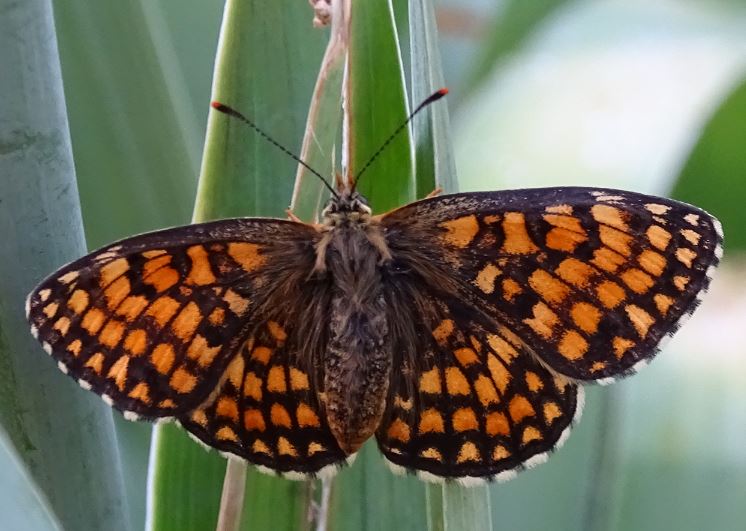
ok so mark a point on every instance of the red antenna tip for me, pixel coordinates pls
(225, 109)
(435, 96)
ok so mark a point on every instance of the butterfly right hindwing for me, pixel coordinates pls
(268, 409)
(481, 407)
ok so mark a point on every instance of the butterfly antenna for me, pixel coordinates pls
(435, 96)
(230, 111)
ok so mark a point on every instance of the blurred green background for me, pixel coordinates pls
(648, 96)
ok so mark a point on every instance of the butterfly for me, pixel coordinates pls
(457, 330)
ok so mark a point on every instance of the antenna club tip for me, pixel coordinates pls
(443, 91)
(222, 107)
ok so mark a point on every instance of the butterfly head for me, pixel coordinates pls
(347, 207)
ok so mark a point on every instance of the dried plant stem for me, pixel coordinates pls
(231, 500)
(324, 114)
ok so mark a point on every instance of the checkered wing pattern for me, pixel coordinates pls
(481, 406)
(150, 323)
(267, 410)
(590, 280)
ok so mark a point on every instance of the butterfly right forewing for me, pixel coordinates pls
(150, 323)
(268, 410)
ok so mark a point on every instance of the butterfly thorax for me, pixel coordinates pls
(357, 362)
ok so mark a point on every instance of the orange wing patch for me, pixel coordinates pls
(271, 411)
(517, 240)
(461, 231)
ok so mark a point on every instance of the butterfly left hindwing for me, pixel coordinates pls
(150, 323)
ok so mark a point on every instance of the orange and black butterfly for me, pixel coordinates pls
(457, 330)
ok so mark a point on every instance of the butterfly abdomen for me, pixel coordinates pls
(357, 361)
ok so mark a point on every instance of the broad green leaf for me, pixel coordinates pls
(65, 436)
(137, 92)
(22, 503)
(133, 176)
(376, 105)
(369, 496)
(184, 482)
(267, 62)
(434, 164)
(714, 177)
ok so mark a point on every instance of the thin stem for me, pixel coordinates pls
(326, 93)
(322, 516)
(600, 498)
(231, 500)
(466, 507)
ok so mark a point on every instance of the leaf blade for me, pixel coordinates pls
(41, 222)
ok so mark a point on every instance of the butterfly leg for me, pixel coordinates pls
(434, 193)
(293, 217)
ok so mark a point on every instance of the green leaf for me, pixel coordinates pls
(137, 110)
(369, 496)
(22, 503)
(133, 176)
(65, 436)
(376, 105)
(434, 163)
(184, 482)
(267, 62)
(714, 177)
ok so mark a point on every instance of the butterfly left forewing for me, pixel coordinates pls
(592, 280)
(151, 322)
